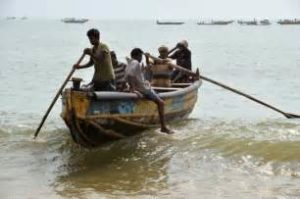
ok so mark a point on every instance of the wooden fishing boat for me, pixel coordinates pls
(265, 22)
(73, 20)
(254, 22)
(289, 22)
(169, 22)
(215, 22)
(97, 117)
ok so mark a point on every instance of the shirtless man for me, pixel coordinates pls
(162, 68)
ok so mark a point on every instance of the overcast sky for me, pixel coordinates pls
(151, 9)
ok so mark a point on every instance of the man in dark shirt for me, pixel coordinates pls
(183, 58)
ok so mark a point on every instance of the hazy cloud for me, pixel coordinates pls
(152, 9)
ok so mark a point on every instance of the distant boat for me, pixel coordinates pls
(215, 22)
(169, 23)
(265, 22)
(289, 22)
(73, 20)
(23, 18)
(10, 18)
(254, 22)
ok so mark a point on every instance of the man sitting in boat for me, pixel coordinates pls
(183, 57)
(103, 79)
(135, 77)
(162, 68)
(119, 70)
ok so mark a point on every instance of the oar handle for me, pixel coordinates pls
(57, 95)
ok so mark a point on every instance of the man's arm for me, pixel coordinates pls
(131, 84)
(174, 55)
(172, 50)
(100, 56)
(132, 88)
(156, 59)
(89, 64)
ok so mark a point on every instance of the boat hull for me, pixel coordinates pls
(98, 117)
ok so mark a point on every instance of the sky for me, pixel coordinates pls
(152, 9)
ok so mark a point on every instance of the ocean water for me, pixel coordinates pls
(230, 147)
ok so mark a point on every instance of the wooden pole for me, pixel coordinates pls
(56, 96)
(287, 115)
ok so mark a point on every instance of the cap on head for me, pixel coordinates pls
(136, 52)
(163, 48)
(93, 33)
(184, 43)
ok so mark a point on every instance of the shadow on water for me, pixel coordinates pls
(133, 166)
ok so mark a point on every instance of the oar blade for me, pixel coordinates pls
(291, 116)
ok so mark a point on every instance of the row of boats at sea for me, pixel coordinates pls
(241, 22)
(65, 20)
(13, 18)
(212, 22)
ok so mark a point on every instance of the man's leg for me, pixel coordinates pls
(151, 95)
(161, 112)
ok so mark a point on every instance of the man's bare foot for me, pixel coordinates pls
(166, 130)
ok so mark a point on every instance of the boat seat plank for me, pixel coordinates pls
(180, 85)
(166, 88)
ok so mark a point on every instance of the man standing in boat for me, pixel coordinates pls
(103, 78)
(135, 77)
(183, 57)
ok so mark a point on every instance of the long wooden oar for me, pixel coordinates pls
(56, 97)
(287, 115)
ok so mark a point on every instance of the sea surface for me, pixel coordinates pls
(229, 147)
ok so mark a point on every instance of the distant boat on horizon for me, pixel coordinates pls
(169, 22)
(216, 22)
(254, 22)
(10, 18)
(74, 20)
(265, 22)
(289, 22)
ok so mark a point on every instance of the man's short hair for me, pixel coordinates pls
(136, 52)
(93, 33)
(184, 43)
(113, 54)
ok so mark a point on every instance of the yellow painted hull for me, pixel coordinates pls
(94, 118)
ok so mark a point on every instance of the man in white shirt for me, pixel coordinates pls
(135, 78)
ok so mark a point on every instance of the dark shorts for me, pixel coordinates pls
(104, 85)
(151, 95)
